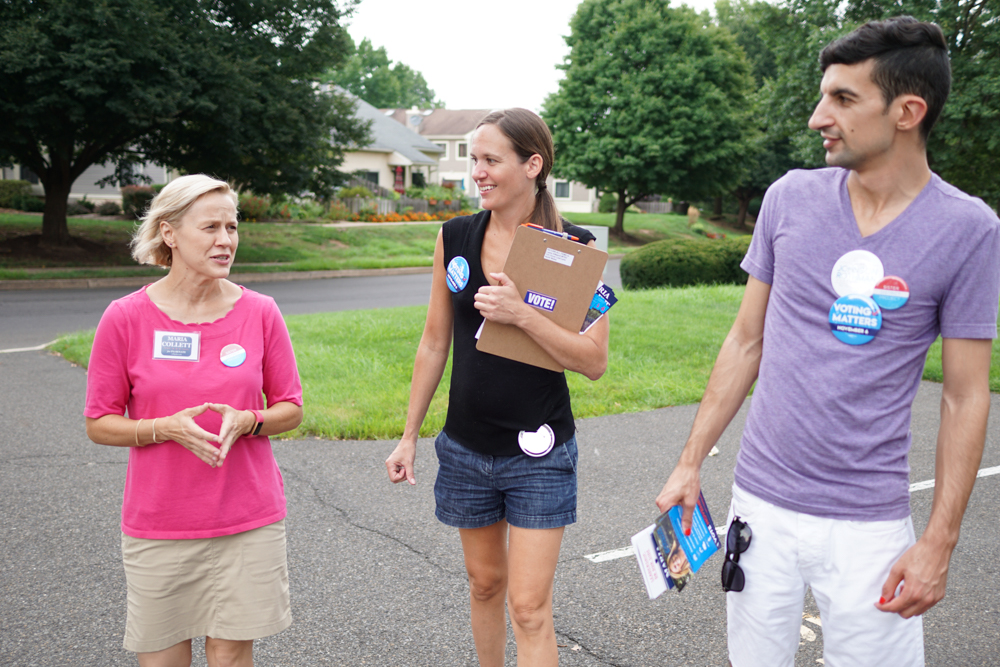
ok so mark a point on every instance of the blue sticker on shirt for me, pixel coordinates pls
(458, 274)
(855, 319)
(891, 293)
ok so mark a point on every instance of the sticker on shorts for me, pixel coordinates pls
(458, 274)
(856, 272)
(233, 355)
(891, 293)
(540, 301)
(537, 443)
(855, 319)
(176, 345)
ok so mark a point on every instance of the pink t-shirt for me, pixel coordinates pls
(152, 366)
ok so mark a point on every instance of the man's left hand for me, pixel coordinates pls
(923, 571)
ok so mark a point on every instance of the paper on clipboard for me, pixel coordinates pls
(554, 275)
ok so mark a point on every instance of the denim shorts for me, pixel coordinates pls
(476, 490)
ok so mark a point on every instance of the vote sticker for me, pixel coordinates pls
(855, 319)
(458, 274)
(537, 443)
(233, 355)
(857, 272)
(891, 293)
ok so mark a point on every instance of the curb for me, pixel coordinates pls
(240, 278)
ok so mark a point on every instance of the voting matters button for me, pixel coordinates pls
(855, 319)
(891, 293)
(458, 274)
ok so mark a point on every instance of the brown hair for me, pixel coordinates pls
(529, 135)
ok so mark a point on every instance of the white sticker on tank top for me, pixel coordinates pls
(537, 443)
(558, 256)
(176, 345)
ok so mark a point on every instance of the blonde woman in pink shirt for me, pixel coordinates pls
(179, 374)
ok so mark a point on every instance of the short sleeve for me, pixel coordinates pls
(969, 307)
(759, 260)
(585, 235)
(281, 374)
(108, 383)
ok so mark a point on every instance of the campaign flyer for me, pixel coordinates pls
(603, 299)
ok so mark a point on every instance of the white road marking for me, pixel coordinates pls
(625, 552)
(29, 349)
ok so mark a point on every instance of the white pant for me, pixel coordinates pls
(845, 564)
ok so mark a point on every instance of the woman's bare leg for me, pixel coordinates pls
(228, 653)
(178, 655)
(532, 557)
(485, 551)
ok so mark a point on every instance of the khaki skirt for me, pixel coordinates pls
(230, 587)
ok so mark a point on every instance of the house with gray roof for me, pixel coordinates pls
(395, 155)
(451, 130)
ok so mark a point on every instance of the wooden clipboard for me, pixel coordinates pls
(554, 268)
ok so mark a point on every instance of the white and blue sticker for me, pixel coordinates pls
(458, 274)
(177, 345)
(857, 272)
(233, 355)
(855, 319)
(540, 301)
(891, 293)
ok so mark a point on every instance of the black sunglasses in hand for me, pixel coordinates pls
(737, 541)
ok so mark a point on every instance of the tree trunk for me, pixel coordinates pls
(55, 231)
(618, 230)
(741, 216)
(717, 207)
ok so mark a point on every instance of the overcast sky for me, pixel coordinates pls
(476, 55)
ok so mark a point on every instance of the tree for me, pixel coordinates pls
(769, 151)
(653, 101)
(227, 88)
(369, 74)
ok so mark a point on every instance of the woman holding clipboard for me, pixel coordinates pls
(507, 454)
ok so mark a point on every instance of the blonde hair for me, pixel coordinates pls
(170, 206)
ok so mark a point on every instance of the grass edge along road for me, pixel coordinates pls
(356, 365)
(270, 247)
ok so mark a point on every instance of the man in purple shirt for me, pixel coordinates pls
(854, 271)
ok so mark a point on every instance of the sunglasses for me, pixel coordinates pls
(737, 541)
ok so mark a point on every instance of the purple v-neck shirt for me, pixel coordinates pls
(828, 430)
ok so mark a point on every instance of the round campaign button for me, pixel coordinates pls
(233, 355)
(856, 272)
(458, 274)
(891, 293)
(855, 319)
(537, 443)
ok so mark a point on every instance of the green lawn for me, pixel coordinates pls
(356, 365)
(282, 246)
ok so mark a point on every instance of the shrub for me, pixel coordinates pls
(76, 208)
(108, 208)
(30, 203)
(12, 192)
(253, 207)
(680, 262)
(135, 200)
(356, 191)
(87, 204)
(337, 212)
(608, 203)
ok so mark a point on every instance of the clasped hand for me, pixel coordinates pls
(182, 429)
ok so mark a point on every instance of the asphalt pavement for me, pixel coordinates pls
(376, 580)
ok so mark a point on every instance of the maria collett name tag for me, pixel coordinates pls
(176, 346)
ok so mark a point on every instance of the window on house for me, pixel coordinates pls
(370, 176)
(444, 147)
(28, 175)
(418, 180)
(463, 150)
(562, 189)
(458, 184)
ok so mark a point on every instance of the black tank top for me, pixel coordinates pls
(492, 399)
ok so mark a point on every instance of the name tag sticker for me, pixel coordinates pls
(558, 256)
(177, 346)
(540, 301)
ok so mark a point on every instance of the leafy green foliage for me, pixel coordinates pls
(653, 101)
(12, 192)
(136, 199)
(369, 74)
(681, 262)
(225, 88)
